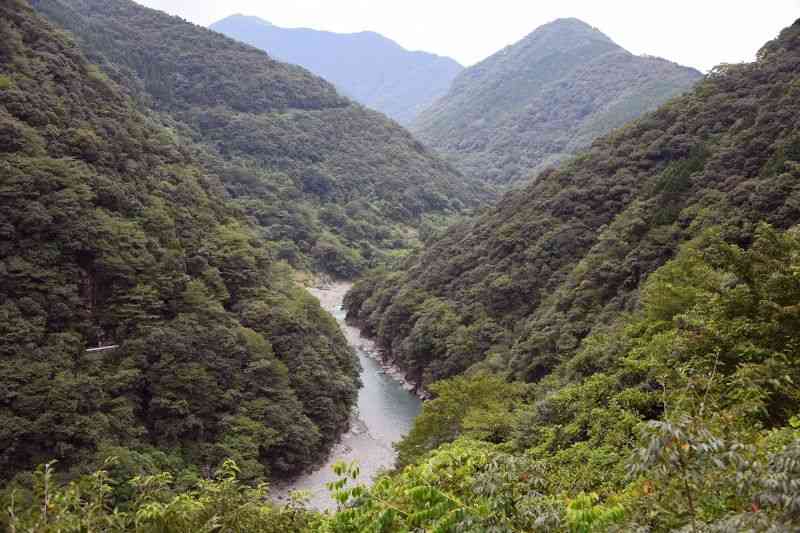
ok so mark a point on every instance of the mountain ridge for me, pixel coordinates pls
(621, 333)
(335, 186)
(613, 347)
(532, 275)
(368, 67)
(114, 233)
(543, 99)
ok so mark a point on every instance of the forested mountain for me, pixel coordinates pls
(623, 332)
(541, 100)
(114, 233)
(522, 285)
(613, 348)
(366, 66)
(334, 186)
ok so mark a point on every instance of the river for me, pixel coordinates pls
(385, 413)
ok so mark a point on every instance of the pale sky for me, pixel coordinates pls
(697, 33)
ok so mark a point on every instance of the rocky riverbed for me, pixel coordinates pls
(386, 410)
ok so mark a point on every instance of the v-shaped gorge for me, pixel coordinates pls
(611, 348)
(189, 173)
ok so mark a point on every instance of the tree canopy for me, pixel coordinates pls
(115, 233)
(613, 348)
(518, 288)
(334, 187)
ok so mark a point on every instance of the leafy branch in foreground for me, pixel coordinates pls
(222, 503)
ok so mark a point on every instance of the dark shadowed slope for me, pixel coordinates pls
(543, 99)
(114, 233)
(366, 66)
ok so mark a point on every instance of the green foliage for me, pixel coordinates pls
(714, 335)
(585, 516)
(676, 178)
(221, 503)
(674, 181)
(480, 406)
(691, 425)
(790, 152)
(701, 473)
(687, 422)
(538, 102)
(522, 286)
(662, 354)
(287, 148)
(114, 234)
(688, 478)
(463, 486)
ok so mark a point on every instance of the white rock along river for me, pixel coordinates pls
(386, 411)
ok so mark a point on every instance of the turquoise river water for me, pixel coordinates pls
(385, 413)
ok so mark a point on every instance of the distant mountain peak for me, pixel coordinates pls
(571, 22)
(239, 17)
(366, 66)
(542, 99)
(569, 28)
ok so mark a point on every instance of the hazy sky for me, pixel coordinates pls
(699, 33)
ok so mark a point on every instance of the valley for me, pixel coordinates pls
(356, 289)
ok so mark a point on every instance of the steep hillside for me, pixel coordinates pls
(544, 98)
(371, 69)
(678, 412)
(682, 417)
(113, 233)
(333, 185)
(522, 286)
(648, 294)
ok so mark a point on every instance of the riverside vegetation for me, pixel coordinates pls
(613, 348)
(113, 231)
(639, 307)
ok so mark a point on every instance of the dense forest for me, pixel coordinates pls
(521, 286)
(612, 348)
(541, 100)
(681, 416)
(334, 187)
(640, 309)
(113, 233)
(373, 70)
